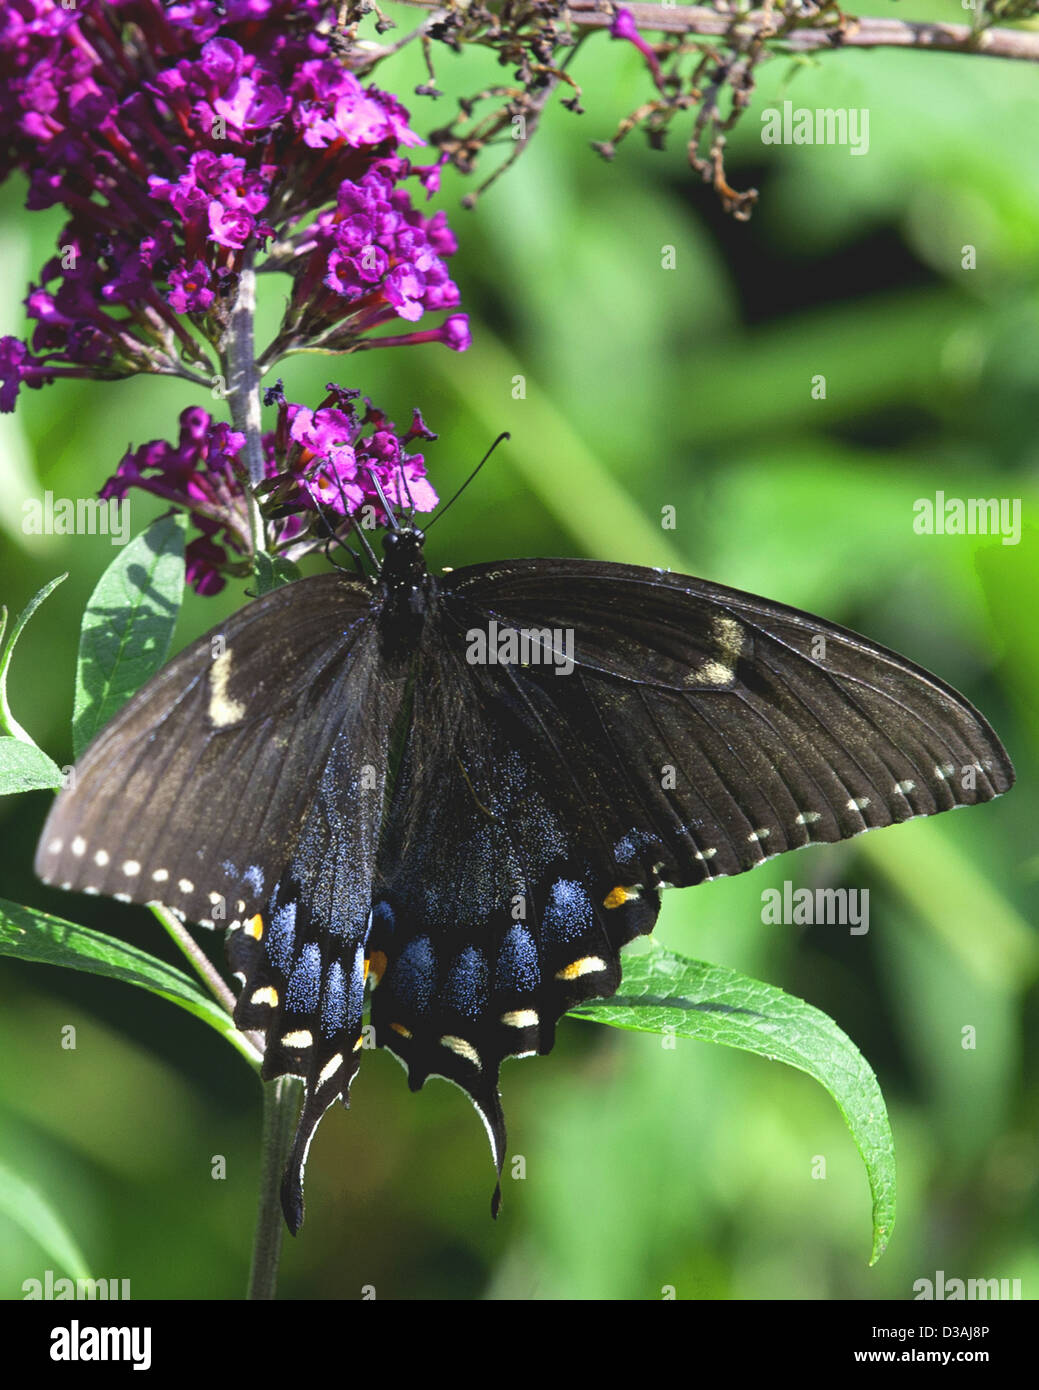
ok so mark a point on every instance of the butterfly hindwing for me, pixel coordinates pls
(502, 906)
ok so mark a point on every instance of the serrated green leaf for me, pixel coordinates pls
(8, 723)
(25, 1205)
(25, 768)
(128, 625)
(30, 934)
(662, 992)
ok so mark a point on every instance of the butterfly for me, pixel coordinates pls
(464, 794)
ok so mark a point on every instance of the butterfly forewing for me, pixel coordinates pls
(722, 729)
(197, 788)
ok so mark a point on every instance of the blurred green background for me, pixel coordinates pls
(645, 1167)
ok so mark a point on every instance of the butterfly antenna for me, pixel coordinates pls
(407, 492)
(382, 498)
(504, 435)
(352, 519)
(339, 540)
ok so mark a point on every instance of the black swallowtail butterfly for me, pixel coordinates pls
(470, 790)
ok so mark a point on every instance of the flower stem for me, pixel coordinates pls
(280, 1106)
(238, 359)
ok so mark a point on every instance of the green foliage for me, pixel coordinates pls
(25, 1205)
(128, 625)
(37, 936)
(665, 993)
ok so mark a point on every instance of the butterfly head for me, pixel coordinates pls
(404, 566)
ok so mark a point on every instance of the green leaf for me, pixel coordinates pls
(128, 625)
(662, 992)
(8, 723)
(272, 571)
(25, 768)
(28, 1207)
(32, 935)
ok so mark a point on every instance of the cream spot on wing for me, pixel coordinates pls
(587, 965)
(185, 885)
(222, 709)
(809, 817)
(706, 853)
(101, 858)
(268, 995)
(301, 1038)
(520, 1018)
(904, 787)
(720, 667)
(761, 834)
(122, 897)
(131, 868)
(160, 875)
(858, 803)
(55, 845)
(79, 846)
(461, 1048)
(330, 1068)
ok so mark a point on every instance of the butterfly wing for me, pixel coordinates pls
(243, 787)
(540, 810)
(722, 729)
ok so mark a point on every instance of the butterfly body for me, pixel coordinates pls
(351, 779)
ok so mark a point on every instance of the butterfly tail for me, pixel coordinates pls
(316, 1101)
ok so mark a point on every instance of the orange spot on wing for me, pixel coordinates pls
(375, 966)
(616, 896)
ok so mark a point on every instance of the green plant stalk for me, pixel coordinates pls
(280, 1107)
(238, 361)
(281, 1097)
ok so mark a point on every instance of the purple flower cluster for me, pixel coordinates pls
(319, 467)
(186, 140)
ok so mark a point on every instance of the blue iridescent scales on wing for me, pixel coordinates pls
(371, 813)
